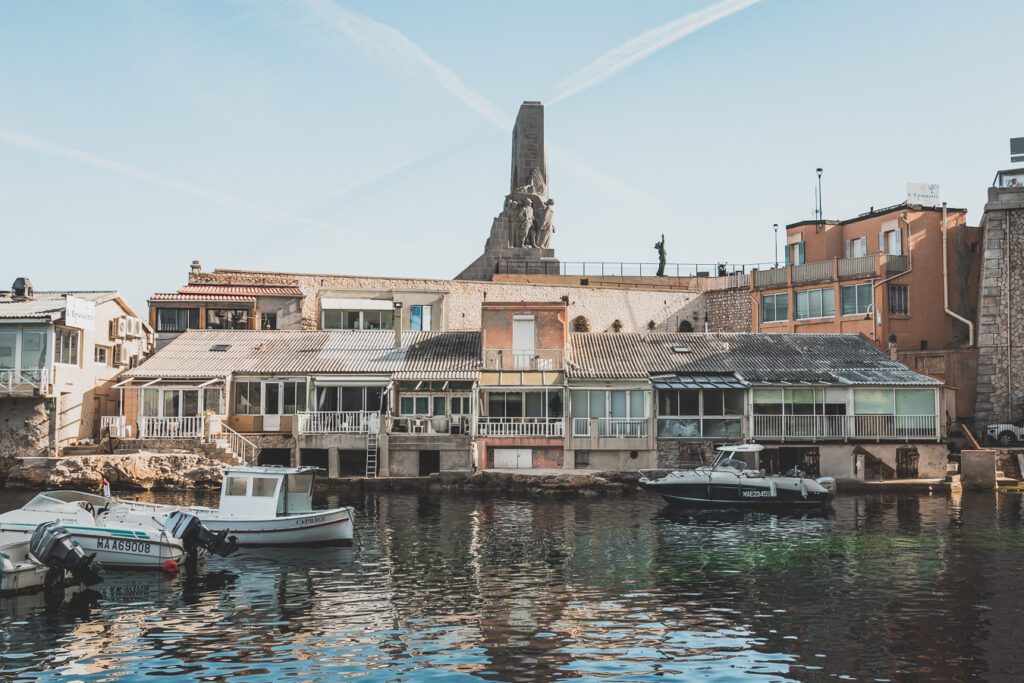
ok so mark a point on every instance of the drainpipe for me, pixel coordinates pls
(910, 267)
(397, 324)
(945, 283)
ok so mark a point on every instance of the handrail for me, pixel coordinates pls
(16, 378)
(185, 427)
(237, 444)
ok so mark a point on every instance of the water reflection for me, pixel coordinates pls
(507, 589)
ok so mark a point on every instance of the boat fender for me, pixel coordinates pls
(772, 489)
(803, 489)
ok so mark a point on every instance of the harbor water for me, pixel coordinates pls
(458, 587)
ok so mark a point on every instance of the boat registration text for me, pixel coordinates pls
(123, 546)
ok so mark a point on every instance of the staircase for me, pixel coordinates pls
(371, 447)
(229, 443)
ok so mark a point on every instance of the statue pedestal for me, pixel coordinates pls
(500, 257)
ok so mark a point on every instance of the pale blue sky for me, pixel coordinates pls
(363, 137)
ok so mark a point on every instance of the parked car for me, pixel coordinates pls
(1005, 433)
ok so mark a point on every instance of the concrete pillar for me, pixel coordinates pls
(333, 463)
(383, 456)
(978, 470)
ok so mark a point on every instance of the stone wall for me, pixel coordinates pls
(635, 309)
(729, 310)
(24, 427)
(1000, 392)
(673, 453)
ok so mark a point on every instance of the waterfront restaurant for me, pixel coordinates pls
(830, 404)
(330, 399)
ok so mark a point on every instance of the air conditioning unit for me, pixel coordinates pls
(137, 324)
(120, 355)
(122, 327)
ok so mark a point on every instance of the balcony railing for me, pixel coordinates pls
(520, 426)
(622, 427)
(894, 264)
(831, 427)
(581, 426)
(772, 277)
(118, 425)
(17, 381)
(343, 422)
(862, 266)
(437, 424)
(513, 359)
(809, 272)
(172, 427)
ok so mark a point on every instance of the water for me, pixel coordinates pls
(447, 587)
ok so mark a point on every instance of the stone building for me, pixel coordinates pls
(60, 355)
(1001, 323)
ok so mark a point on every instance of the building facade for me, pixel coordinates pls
(60, 355)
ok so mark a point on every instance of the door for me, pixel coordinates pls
(513, 458)
(271, 407)
(523, 340)
(430, 462)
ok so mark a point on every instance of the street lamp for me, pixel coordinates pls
(821, 213)
(776, 225)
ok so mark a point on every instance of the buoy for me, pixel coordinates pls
(171, 567)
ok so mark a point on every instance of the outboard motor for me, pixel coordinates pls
(194, 535)
(51, 544)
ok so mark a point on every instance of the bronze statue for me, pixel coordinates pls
(660, 246)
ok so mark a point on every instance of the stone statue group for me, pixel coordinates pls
(533, 217)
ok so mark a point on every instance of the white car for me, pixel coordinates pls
(1005, 433)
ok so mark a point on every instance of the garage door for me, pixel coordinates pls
(513, 458)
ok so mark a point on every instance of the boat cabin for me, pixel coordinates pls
(266, 491)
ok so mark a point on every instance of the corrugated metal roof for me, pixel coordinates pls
(172, 296)
(46, 305)
(241, 290)
(424, 355)
(754, 358)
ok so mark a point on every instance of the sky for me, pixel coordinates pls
(373, 137)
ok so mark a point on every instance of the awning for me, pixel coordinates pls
(352, 381)
(697, 382)
(333, 304)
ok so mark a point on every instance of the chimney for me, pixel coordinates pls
(21, 289)
(398, 324)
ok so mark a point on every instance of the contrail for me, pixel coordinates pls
(389, 43)
(644, 45)
(25, 141)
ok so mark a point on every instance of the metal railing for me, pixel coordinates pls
(581, 426)
(860, 266)
(620, 268)
(231, 440)
(622, 427)
(16, 380)
(895, 264)
(339, 422)
(809, 272)
(828, 427)
(772, 277)
(520, 426)
(118, 426)
(425, 424)
(515, 359)
(172, 427)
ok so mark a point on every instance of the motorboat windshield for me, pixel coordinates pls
(725, 457)
(57, 500)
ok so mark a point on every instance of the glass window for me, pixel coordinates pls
(534, 404)
(422, 405)
(353, 321)
(419, 317)
(815, 303)
(460, 405)
(555, 406)
(405, 405)
(236, 486)
(332, 320)
(768, 401)
(8, 340)
(172, 403)
(514, 404)
(855, 299)
(190, 402)
(438, 408)
(774, 307)
(734, 402)
(899, 299)
(264, 487)
(873, 402)
(151, 402)
(327, 399)
(268, 321)
(65, 346)
(375, 399)
(177, 319)
(495, 404)
(213, 400)
(247, 398)
(638, 404)
(915, 402)
(271, 398)
(227, 319)
(299, 483)
(597, 404)
(294, 397)
(101, 356)
(33, 349)
(618, 404)
(579, 403)
(674, 428)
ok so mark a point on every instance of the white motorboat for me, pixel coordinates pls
(134, 535)
(265, 505)
(729, 482)
(46, 559)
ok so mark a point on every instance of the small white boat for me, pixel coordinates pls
(46, 559)
(133, 535)
(274, 506)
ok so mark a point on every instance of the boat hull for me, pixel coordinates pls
(311, 528)
(116, 548)
(700, 494)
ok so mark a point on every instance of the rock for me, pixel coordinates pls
(125, 472)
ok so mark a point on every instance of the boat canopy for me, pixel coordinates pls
(266, 491)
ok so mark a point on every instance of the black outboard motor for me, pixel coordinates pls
(191, 531)
(51, 544)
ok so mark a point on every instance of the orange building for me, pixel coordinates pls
(882, 275)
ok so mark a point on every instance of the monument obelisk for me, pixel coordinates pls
(521, 233)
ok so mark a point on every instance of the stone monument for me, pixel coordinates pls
(521, 234)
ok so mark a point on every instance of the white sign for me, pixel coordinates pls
(79, 313)
(925, 194)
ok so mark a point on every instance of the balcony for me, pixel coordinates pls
(861, 266)
(894, 265)
(610, 427)
(520, 426)
(431, 425)
(192, 427)
(513, 359)
(844, 427)
(18, 382)
(118, 426)
(772, 277)
(338, 422)
(812, 272)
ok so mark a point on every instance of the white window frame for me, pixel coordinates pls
(820, 291)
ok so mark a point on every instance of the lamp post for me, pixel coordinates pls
(821, 213)
(776, 226)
